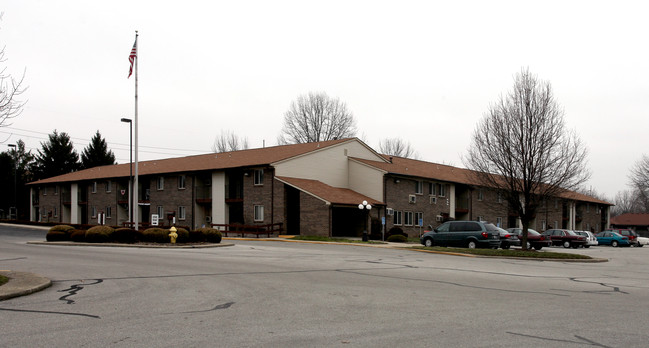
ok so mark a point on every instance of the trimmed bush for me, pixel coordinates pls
(196, 236)
(156, 235)
(125, 235)
(212, 235)
(56, 236)
(397, 238)
(99, 234)
(62, 228)
(78, 235)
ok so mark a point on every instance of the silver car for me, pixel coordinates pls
(590, 238)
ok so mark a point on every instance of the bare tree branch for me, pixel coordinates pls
(397, 147)
(522, 148)
(316, 117)
(228, 141)
(10, 90)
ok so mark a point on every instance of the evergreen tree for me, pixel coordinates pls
(57, 157)
(97, 153)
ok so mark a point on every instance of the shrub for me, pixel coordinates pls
(125, 235)
(197, 236)
(59, 233)
(397, 238)
(211, 235)
(156, 235)
(183, 235)
(99, 234)
(56, 236)
(78, 235)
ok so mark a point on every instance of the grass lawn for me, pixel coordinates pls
(339, 240)
(3, 279)
(507, 253)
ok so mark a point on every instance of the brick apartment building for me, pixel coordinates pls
(311, 189)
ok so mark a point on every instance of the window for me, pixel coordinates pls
(419, 218)
(45, 191)
(499, 222)
(588, 207)
(544, 225)
(441, 190)
(109, 186)
(94, 187)
(94, 211)
(259, 213)
(419, 187)
(181, 182)
(397, 217)
(56, 212)
(556, 224)
(480, 195)
(160, 211)
(500, 197)
(109, 212)
(259, 177)
(160, 185)
(407, 216)
(181, 213)
(556, 204)
(479, 218)
(431, 188)
(56, 190)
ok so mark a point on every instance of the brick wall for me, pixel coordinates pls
(314, 216)
(258, 195)
(49, 204)
(171, 198)
(102, 200)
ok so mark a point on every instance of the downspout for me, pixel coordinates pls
(194, 201)
(272, 198)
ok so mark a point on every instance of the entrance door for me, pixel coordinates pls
(292, 210)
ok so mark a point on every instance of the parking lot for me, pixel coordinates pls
(260, 293)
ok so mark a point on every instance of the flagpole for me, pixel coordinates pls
(136, 206)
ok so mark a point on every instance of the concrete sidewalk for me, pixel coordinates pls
(22, 283)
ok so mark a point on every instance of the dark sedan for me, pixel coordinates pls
(534, 239)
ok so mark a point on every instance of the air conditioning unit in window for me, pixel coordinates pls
(412, 199)
(433, 200)
(389, 211)
(439, 218)
(208, 219)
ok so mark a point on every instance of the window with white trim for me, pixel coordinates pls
(431, 188)
(419, 187)
(479, 218)
(419, 218)
(500, 197)
(480, 194)
(56, 190)
(259, 213)
(160, 211)
(441, 189)
(56, 212)
(109, 212)
(259, 177)
(397, 218)
(94, 211)
(499, 222)
(94, 187)
(407, 218)
(160, 184)
(181, 213)
(181, 182)
(109, 186)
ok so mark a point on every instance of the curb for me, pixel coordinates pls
(22, 283)
(124, 245)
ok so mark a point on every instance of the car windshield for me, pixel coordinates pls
(531, 232)
(491, 227)
(572, 233)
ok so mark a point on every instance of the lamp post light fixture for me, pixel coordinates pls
(15, 156)
(366, 209)
(130, 161)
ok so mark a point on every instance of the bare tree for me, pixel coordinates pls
(627, 201)
(639, 178)
(10, 91)
(397, 147)
(228, 141)
(316, 117)
(522, 148)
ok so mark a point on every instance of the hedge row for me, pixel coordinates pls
(105, 234)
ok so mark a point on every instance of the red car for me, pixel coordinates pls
(567, 238)
(534, 239)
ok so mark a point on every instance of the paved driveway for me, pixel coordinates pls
(296, 295)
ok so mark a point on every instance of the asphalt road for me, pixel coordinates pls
(275, 294)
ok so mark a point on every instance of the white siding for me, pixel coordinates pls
(329, 165)
(219, 207)
(366, 180)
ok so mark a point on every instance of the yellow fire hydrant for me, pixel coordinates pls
(173, 235)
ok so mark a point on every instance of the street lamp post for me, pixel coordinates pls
(130, 175)
(366, 209)
(15, 174)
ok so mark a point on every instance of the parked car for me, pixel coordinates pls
(630, 234)
(470, 234)
(613, 239)
(534, 239)
(567, 238)
(590, 238)
(642, 241)
(507, 239)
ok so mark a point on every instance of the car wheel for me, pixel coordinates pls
(576, 246)
(586, 246)
(538, 247)
(428, 242)
(471, 244)
(505, 246)
(614, 244)
(640, 245)
(566, 244)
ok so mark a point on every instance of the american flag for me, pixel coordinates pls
(132, 57)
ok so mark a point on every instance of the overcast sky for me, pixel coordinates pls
(423, 71)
